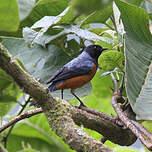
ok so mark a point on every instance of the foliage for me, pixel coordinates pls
(11, 17)
(43, 35)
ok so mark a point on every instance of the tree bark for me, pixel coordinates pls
(63, 117)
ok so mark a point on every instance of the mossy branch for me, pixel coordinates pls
(63, 117)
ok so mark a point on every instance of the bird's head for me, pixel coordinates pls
(94, 51)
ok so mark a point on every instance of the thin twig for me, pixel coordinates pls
(128, 123)
(102, 115)
(31, 113)
(22, 116)
(143, 130)
(98, 113)
(103, 118)
(116, 88)
(10, 130)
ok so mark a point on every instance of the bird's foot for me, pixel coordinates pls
(81, 105)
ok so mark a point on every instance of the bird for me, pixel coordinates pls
(77, 72)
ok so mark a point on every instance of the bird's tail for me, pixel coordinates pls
(54, 85)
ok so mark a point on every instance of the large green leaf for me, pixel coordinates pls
(85, 7)
(52, 57)
(28, 56)
(110, 60)
(45, 8)
(31, 36)
(45, 23)
(9, 17)
(138, 53)
(50, 7)
(44, 30)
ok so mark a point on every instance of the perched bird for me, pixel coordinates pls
(77, 72)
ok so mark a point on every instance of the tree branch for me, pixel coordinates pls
(133, 126)
(22, 116)
(103, 124)
(61, 115)
(90, 119)
(143, 130)
(57, 112)
(128, 123)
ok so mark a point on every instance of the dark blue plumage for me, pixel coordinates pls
(77, 70)
(76, 67)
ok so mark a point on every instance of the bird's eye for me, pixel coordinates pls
(95, 47)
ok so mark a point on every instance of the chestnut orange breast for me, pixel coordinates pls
(77, 82)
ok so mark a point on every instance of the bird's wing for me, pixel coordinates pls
(55, 75)
(72, 69)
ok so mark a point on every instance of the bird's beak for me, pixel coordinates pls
(104, 49)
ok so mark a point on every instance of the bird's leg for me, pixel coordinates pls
(61, 93)
(81, 103)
